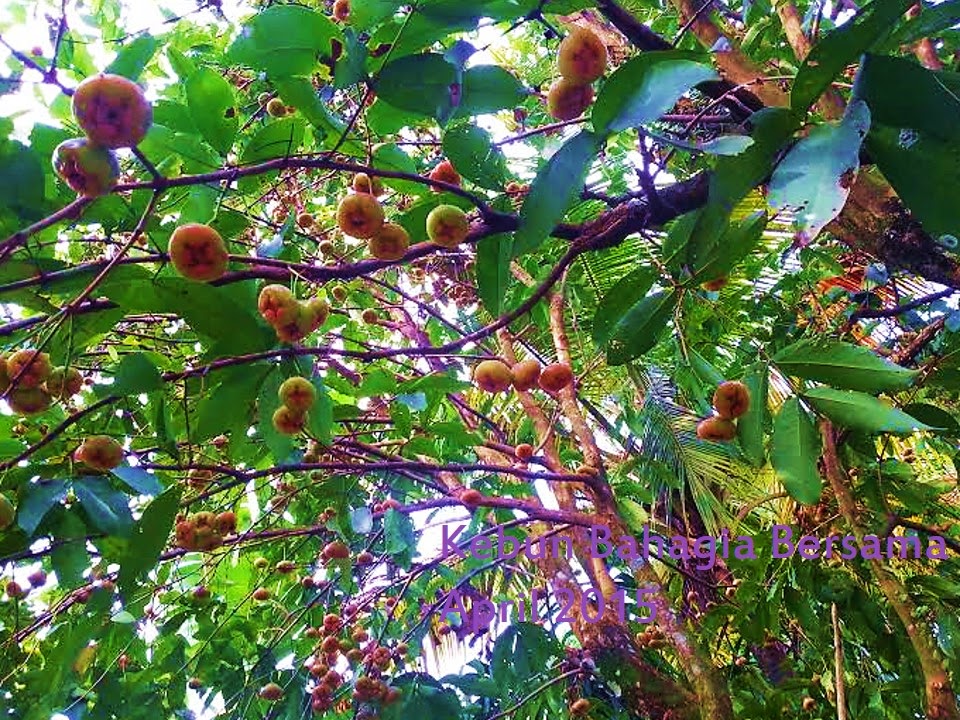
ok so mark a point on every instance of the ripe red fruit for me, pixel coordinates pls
(14, 590)
(277, 305)
(525, 374)
(198, 252)
(26, 369)
(112, 111)
(731, 399)
(582, 57)
(716, 429)
(99, 452)
(523, 451)
(365, 558)
(360, 215)
(271, 692)
(555, 377)
(261, 594)
(445, 172)
(336, 550)
(37, 579)
(298, 394)
(471, 497)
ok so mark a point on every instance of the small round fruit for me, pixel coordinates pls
(714, 285)
(298, 394)
(445, 172)
(28, 401)
(261, 563)
(276, 108)
(363, 183)
(336, 550)
(809, 704)
(87, 169)
(341, 10)
(112, 111)
(64, 382)
(339, 293)
(199, 478)
(271, 692)
(390, 243)
(318, 310)
(305, 220)
(28, 368)
(288, 422)
(716, 429)
(262, 594)
(492, 376)
(285, 567)
(582, 57)
(567, 101)
(198, 252)
(555, 377)
(14, 590)
(369, 316)
(525, 374)
(447, 226)
(263, 98)
(731, 399)
(99, 452)
(580, 707)
(37, 579)
(471, 497)
(7, 512)
(226, 522)
(302, 325)
(4, 373)
(360, 215)
(277, 305)
(365, 558)
(523, 451)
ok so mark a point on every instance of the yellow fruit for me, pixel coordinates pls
(525, 374)
(555, 377)
(731, 399)
(277, 305)
(301, 326)
(390, 242)
(360, 215)
(112, 111)
(305, 220)
(582, 57)
(716, 429)
(447, 226)
(64, 382)
(28, 368)
(87, 169)
(363, 183)
(566, 100)
(99, 452)
(289, 422)
(198, 252)
(7, 512)
(298, 394)
(276, 108)
(318, 311)
(445, 172)
(492, 376)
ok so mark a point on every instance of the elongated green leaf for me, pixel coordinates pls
(421, 84)
(614, 306)
(212, 107)
(737, 241)
(646, 87)
(841, 47)
(641, 327)
(134, 375)
(231, 404)
(558, 182)
(751, 425)
(149, 537)
(794, 452)
(107, 508)
(842, 365)
(815, 177)
(473, 154)
(487, 89)
(37, 501)
(320, 418)
(138, 480)
(133, 57)
(284, 40)
(279, 138)
(859, 411)
(493, 271)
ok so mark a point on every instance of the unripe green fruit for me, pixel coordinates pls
(447, 226)
(87, 169)
(298, 394)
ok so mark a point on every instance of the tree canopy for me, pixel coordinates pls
(353, 354)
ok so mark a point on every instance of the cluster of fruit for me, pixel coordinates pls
(205, 530)
(292, 319)
(113, 113)
(297, 396)
(99, 452)
(730, 400)
(360, 215)
(495, 376)
(30, 384)
(581, 60)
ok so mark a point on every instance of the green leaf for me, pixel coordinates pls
(284, 40)
(646, 87)
(859, 411)
(148, 539)
(815, 177)
(641, 327)
(320, 417)
(107, 509)
(231, 404)
(351, 65)
(840, 48)
(279, 138)
(493, 271)
(390, 156)
(842, 365)
(794, 452)
(138, 480)
(69, 559)
(487, 89)
(423, 697)
(37, 501)
(399, 537)
(268, 401)
(558, 182)
(935, 417)
(133, 57)
(726, 145)
(739, 239)
(421, 84)
(300, 93)
(21, 179)
(213, 108)
(473, 154)
(134, 375)
(521, 652)
(932, 21)
(614, 306)
(751, 425)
